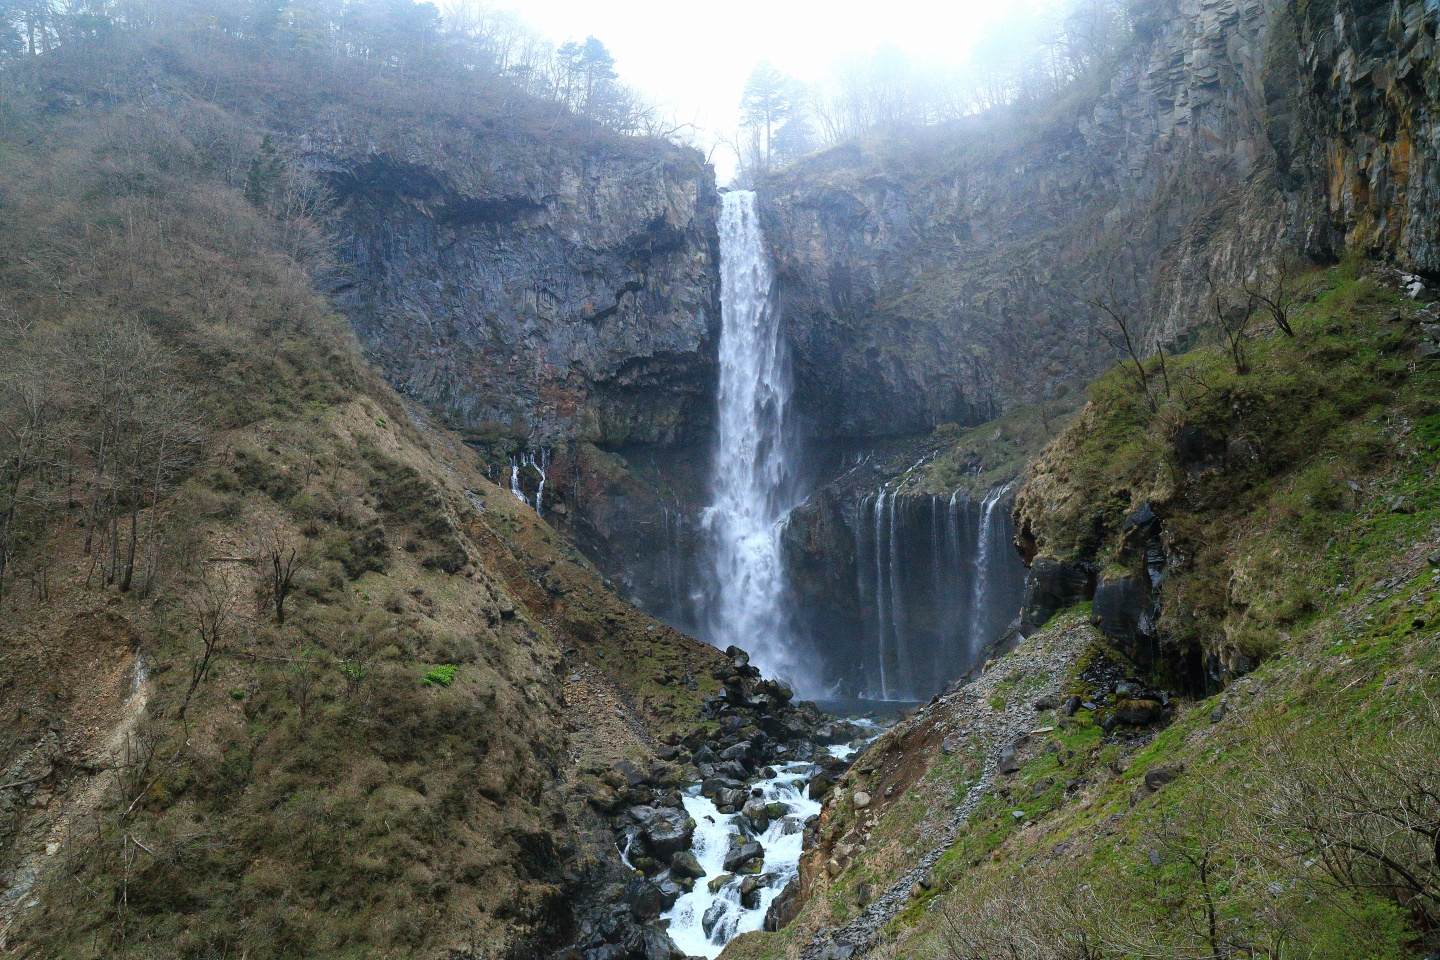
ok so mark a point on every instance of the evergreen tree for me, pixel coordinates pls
(586, 69)
(768, 101)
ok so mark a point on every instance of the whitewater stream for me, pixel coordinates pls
(704, 920)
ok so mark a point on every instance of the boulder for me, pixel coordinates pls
(732, 769)
(1138, 713)
(862, 799)
(1157, 777)
(775, 691)
(646, 899)
(785, 907)
(657, 945)
(607, 951)
(732, 800)
(819, 785)
(713, 914)
(685, 864)
(741, 752)
(1009, 762)
(711, 786)
(750, 889)
(744, 856)
(663, 830)
(757, 812)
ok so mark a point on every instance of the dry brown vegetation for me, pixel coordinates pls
(231, 557)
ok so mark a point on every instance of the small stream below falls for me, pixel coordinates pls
(705, 919)
(724, 904)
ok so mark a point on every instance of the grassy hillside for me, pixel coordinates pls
(282, 673)
(1287, 812)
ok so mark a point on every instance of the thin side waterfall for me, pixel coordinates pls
(881, 616)
(515, 481)
(978, 626)
(541, 465)
(897, 604)
(752, 488)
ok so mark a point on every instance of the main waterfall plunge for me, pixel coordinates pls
(752, 483)
(927, 583)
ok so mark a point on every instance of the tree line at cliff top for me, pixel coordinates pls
(1031, 54)
(407, 40)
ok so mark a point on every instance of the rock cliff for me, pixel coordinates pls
(939, 276)
(537, 286)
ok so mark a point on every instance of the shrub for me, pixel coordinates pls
(442, 675)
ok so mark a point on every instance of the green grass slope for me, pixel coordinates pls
(1292, 811)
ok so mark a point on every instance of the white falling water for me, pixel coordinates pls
(897, 606)
(540, 465)
(515, 481)
(882, 617)
(752, 492)
(982, 566)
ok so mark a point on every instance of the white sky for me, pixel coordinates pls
(694, 57)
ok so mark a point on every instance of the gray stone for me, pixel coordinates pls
(744, 856)
(685, 864)
(663, 830)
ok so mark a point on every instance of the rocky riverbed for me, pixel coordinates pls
(712, 833)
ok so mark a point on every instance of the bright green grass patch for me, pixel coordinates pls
(442, 675)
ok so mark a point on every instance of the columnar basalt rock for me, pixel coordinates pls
(938, 277)
(540, 290)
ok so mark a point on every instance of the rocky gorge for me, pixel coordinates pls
(441, 377)
(938, 278)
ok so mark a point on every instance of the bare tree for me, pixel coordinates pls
(26, 445)
(1031, 917)
(1121, 327)
(212, 607)
(1232, 319)
(278, 555)
(1367, 809)
(135, 429)
(1275, 293)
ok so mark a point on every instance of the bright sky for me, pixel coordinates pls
(695, 57)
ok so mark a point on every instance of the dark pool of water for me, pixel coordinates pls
(879, 709)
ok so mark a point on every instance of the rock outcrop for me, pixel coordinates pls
(939, 276)
(535, 285)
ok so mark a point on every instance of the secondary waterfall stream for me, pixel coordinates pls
(936, 580)
(752, 482)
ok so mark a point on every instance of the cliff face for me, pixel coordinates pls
(941, 273)
(544, 289)
(1373, 93)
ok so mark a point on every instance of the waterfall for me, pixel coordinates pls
(897, 603)
(751, 482)
(934, 583)
(540, 465)
(540, 468)
(515, 481)
(880, 614)
(979, 626)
